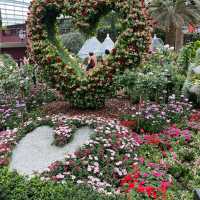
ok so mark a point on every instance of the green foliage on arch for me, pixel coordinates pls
(64, 71)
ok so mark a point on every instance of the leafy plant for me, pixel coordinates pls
(154, 84)
(187, 55)
(73, 41)
(16, 187)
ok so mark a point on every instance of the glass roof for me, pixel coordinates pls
(13, 11)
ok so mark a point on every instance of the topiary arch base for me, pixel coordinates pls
(61, 69)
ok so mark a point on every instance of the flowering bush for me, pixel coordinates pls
(11, 114)
(9, 76)
(153, 82)
(194, 121)
(117, 160)
(7, 140)
(147, 180)
(62, 70)
(152, 117)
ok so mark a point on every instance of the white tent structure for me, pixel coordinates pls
(107, 44)
(157, 43)
(91, 45)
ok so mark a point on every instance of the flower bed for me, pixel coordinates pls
(117, 160)
(110, 163)
(153, 118)
(7, 140)
(102, 161)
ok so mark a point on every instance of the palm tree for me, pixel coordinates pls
(172, 15)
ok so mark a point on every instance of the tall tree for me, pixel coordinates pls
(172, 15)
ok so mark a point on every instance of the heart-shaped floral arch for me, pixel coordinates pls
(61, 69)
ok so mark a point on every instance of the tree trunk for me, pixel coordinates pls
(170, 36)
(179, 39)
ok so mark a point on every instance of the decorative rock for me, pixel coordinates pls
(35, 152)
(191, 88)
(196, 70)
(197, 194)
(195, 89)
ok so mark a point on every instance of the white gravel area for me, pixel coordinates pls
(35, 151)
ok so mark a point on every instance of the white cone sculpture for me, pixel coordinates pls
(108, 44)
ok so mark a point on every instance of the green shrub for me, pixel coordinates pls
(16, 187)
(9, 76)
(152, 84)
(40, 98)
(73, 41)
(187, 55)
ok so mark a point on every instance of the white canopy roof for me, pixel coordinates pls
(107, 44)
(157, 43)
(91, 45)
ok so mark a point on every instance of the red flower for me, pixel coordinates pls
(125, 180)
(114, 51)
(164, 185)
(84, 12)
(141, 189)
(195, 117)
(150, 190)
(58, 60)
(136, 175)
(131, 185)
(128, 123)
(152, 139)
(49, 59)
(164, 153)
(154, 195)
(142, 130)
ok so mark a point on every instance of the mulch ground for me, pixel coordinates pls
(113, 108)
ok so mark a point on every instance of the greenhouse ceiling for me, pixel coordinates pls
(13, 11)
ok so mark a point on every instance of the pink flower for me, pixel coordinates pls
(164, 185)
(156, 174)
(145, 175)
(152, 165)
(141, 160)
(186, 134)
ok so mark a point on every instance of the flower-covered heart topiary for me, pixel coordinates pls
(61, 69)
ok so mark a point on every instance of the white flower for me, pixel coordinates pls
(111, 158)
(166, 46)
(73, 177)
(79, 182)
(89, 168)
(118, 163)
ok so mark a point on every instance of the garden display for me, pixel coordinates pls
(128, 129)
(63, 70)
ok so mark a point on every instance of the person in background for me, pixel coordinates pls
(92, 61)
(107, 53)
